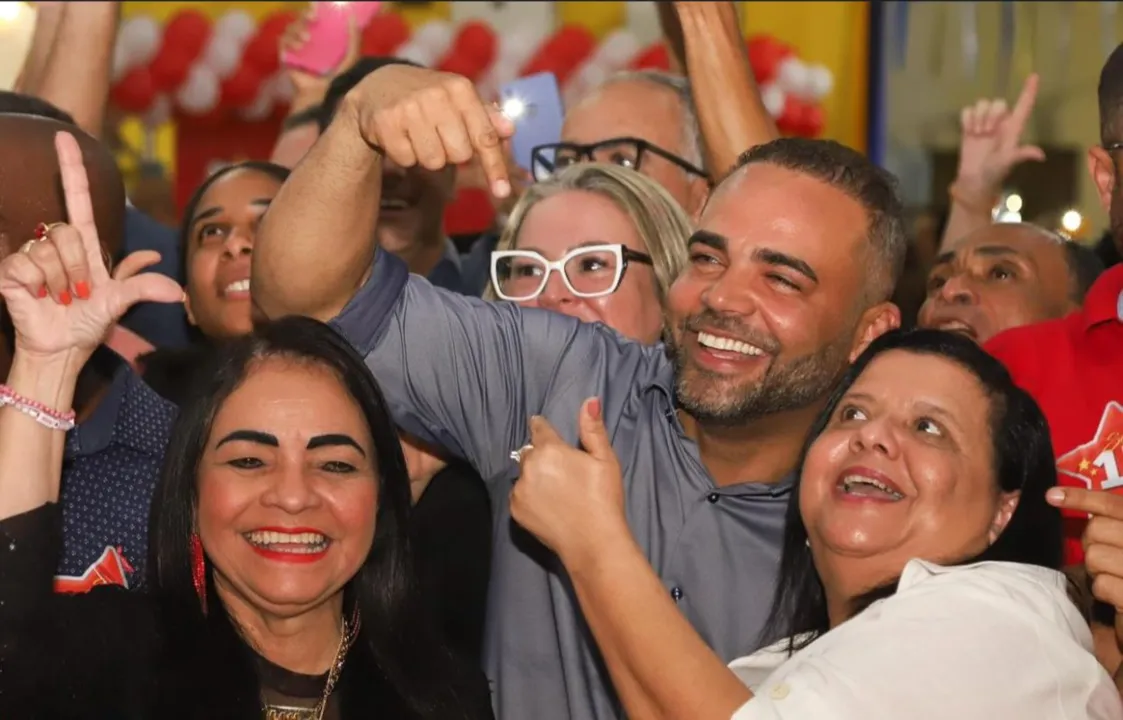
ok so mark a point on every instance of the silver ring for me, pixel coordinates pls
(517, 455)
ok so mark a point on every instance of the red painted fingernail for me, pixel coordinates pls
(82, 290)
(64, 297)
(42, 292)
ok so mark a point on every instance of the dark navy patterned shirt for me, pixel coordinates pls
(111, 465)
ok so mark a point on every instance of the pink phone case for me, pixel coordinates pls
(327, 36)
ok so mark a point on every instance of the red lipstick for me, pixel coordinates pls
(299, 558)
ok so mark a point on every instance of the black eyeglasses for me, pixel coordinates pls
(548, 160)
(1112, 147)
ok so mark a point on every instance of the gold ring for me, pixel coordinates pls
(26, 247)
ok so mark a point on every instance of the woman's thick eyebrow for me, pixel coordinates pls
(334, 439)
(254, 436)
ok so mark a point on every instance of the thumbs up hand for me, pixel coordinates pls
(571, 499)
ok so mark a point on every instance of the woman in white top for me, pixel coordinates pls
(919, 577)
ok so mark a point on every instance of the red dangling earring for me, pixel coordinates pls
(199, 570)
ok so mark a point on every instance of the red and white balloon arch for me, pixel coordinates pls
(230, 67)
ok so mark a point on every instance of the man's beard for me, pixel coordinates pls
(718, 400)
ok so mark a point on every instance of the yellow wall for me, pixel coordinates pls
(834, 34)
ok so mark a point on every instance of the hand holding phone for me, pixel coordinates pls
(329, 32)
(534, 105)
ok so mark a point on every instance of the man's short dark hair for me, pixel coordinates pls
(1084, 267)
(1111, 97)
(345, 82)
(851, 172)
(14, 103)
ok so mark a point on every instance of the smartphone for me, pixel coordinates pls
(534, 105)
(328, 36)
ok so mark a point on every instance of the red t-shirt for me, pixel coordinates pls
(1073, 368)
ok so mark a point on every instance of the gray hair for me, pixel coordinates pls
(680, 86)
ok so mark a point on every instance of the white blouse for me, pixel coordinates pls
(990, 641)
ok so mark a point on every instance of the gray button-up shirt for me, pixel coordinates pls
(468, 375)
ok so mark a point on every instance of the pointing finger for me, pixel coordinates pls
(79, 206)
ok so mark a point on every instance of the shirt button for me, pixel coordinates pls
(713, 497)
(779, 692)
(676, 593)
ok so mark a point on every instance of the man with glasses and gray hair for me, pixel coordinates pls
(644, 120)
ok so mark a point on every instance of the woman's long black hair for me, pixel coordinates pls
(396, 668)
(1023, 460)
(165, 368)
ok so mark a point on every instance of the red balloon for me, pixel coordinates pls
(263, 52)
(812, 121)
(187, 33)
(477, 41)
(135, 92)
(240, 89)
(800, 118)
(211, 119)
(765, 55)
(789, 121)
(461, 64)
(385, 34)
(655, 57)
(170, 68)
(562, 53)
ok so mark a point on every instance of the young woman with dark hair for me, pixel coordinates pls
(920, 570)
(280, 581)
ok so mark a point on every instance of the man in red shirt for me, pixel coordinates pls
(1073, 368)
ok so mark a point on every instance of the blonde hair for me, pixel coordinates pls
(659, 220)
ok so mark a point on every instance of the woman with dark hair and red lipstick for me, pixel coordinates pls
(919, 575)
(280, 582)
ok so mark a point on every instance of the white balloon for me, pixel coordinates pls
(792, 76)
(262, 106)
(515, 48)
(141, 36)
(617, 49)
(122, 63)
(160, 112)
(236, 25)
(417, 53)
(199, 94)
(223, 55)
(435, 36)
(773, 98)
(820, 81)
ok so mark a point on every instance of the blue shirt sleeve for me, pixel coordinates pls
(163, 325)
(468, 375)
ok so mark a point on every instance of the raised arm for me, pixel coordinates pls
(62, 301)
(989, 150)
(301, 128)
(316, 243)
(706, 38)
(75, 73)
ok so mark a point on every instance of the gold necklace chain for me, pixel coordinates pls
(348, 632)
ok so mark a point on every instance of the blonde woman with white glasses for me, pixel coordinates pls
(598, 242)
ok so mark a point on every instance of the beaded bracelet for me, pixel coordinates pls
(37, 411)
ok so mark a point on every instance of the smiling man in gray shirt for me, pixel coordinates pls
(790, 273)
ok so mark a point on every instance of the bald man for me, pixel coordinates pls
(162, 325)
(1006, 275)
(113, 457)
